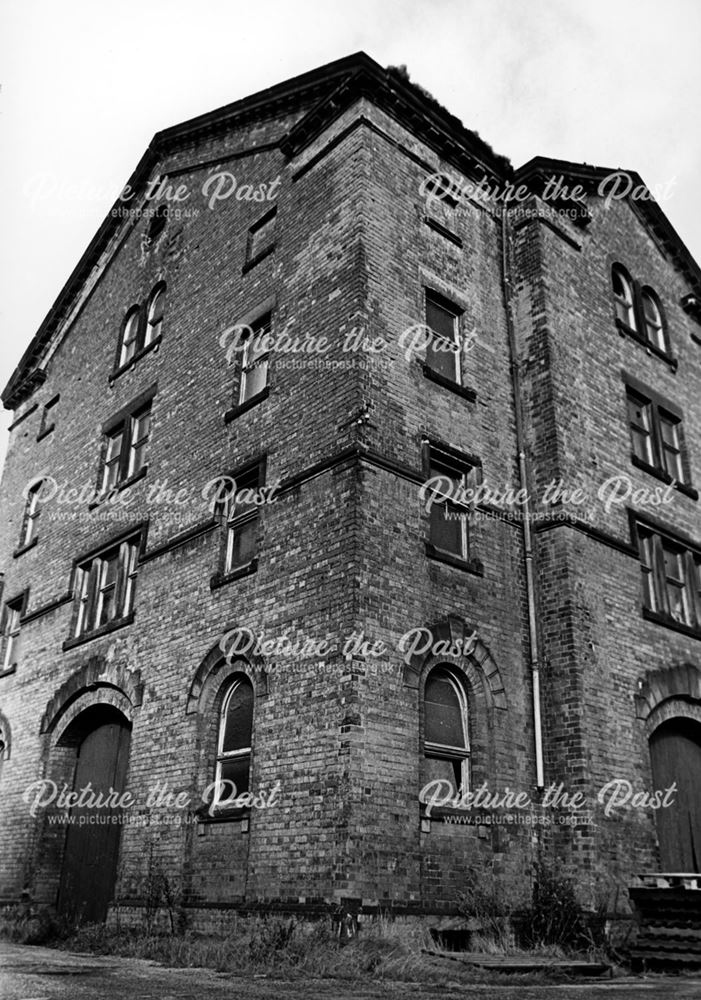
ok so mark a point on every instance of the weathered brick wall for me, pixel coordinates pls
(343, 551)
(305, 545)
(400, 588)
(596, 645)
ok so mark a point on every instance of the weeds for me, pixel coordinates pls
(24, 925)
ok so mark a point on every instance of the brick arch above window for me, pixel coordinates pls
(681, 683)
(215, 670)
(455, 635)
(97, 678)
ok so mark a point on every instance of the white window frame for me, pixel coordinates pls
(625, 301)
(654, 328)
(32, 511)
(242, 753)
(13, 628)
(154, 316)
(91, 585)
(119, 460)
(251, 359)
(129, 345)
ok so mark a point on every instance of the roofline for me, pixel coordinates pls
(262, 98)
(356, 75)
(591, 176)
(358, 67)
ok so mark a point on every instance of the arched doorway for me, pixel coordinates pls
(675, 752)
(101, 737)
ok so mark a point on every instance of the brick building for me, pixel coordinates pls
(321, 327)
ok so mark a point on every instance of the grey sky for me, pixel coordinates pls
(86, 84)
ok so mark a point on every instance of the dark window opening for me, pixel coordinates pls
(235, 738)
(446, 735)
(443, 350)
(261, 237)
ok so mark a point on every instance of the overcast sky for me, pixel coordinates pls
(86, 84)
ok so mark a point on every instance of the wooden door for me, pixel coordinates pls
(92, 839)
(675, 750)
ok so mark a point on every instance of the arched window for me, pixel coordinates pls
(624, 297)
(638, 311)
(32, 510)
(446, 730)
(154, 318)
(234, 742)
(142, 326)
(130, 336)
(5, 740)
(652, 318)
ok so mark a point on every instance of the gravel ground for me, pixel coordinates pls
(28, 972)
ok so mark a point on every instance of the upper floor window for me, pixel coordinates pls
(261, 238)
(124, 446)
(623, 297)
(451, 480)
(638, 311)
(657, 435)
(14, 610)
(158, 221)
(32, 510)
(154, 314)
(446, 728)
(652, 319)
(48, 417)
(671, 578)
(105, 585)
(254, 364)
(130, 335)
(240, 510)
(142, 326)
(234, 741)
(443, 350)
